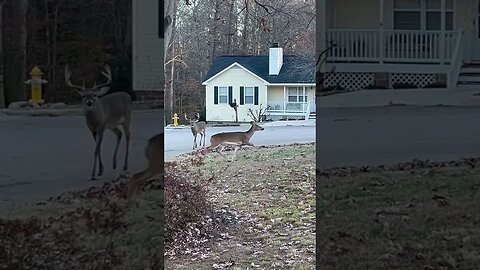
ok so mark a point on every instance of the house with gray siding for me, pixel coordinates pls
(148, 46)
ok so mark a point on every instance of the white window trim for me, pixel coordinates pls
(220, 95)
(423, 14)
(245, 95)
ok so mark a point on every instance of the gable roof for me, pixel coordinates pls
(295, 69)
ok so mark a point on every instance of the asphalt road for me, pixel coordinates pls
(179, 141)
(387, 135)
(44, 156)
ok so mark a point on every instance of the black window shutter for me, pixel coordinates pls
(230, 95)
(215, 95)
(256, 95)
(242, 95)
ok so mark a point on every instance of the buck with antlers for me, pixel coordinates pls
(197, 127)
(235, 139)
(111, 112)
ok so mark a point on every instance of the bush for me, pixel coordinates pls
(186, 205)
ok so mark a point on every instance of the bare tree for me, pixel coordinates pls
(14, 45)
(2, 91)
(258, 115)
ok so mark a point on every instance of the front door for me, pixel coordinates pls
(476, 31)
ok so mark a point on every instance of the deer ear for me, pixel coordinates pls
(103, 91)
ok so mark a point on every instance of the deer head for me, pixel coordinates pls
(90, 95)
(192, 121)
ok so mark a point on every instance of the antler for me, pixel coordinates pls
(198, 116)
(69, 83)
(186, 117)
(108, 74)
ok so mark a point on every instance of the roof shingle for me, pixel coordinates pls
(295, 69)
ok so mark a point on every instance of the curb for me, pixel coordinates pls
(58, 112)
(402, 105)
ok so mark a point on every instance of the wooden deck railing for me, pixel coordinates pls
(398, 46)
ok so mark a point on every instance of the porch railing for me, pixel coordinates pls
(391, 45)
(287, 107)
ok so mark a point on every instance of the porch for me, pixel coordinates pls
(291, 100)
(397, 37)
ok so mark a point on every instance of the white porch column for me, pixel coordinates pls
(321, 42)
(303, 98)
(284, 98)
(381, 31)
(442, 32)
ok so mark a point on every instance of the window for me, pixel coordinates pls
(223, 95)
(421, 15)
(295, 94)
(248, 95)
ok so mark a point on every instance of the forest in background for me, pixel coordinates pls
(87, 34)
(52, 33)
(203, 30)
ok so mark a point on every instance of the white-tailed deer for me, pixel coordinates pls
(197, 127)
(111, 112)
(236, 139)
(155, 157)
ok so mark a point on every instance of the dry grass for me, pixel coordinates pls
(266, 203)
(421, 218)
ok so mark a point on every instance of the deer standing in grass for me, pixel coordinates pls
(235, 139)
(197, 127)
(111, 112)
(155, 156)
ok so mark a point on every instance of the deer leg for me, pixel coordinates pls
(98, 156)
(204, 136)
(194, 141)
(220, 151)
(118, 133)
(127, 146)
(235, 152)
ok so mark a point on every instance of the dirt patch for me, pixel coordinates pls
(266, 202)
(417, 215)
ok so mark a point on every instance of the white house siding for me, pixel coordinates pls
(147, 46)
(275, 93)
(234, 77)
(352, 14)
(463, 20)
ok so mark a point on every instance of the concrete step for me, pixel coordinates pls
(468, 78)
(470, 70)
(468, 83)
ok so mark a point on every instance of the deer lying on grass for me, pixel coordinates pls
(197, 127)
(155, 156)
(104, 112)
(236, 139)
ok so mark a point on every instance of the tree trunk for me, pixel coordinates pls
(2, 92)
(170, 12)
(245, 31)
(15, 39)
(48, 51)
(171, 88)
(230, 28)
(215, 30)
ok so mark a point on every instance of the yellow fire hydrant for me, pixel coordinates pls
(36, 82)
(175, 119)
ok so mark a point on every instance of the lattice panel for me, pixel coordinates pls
(349, 81)
(419, 80)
